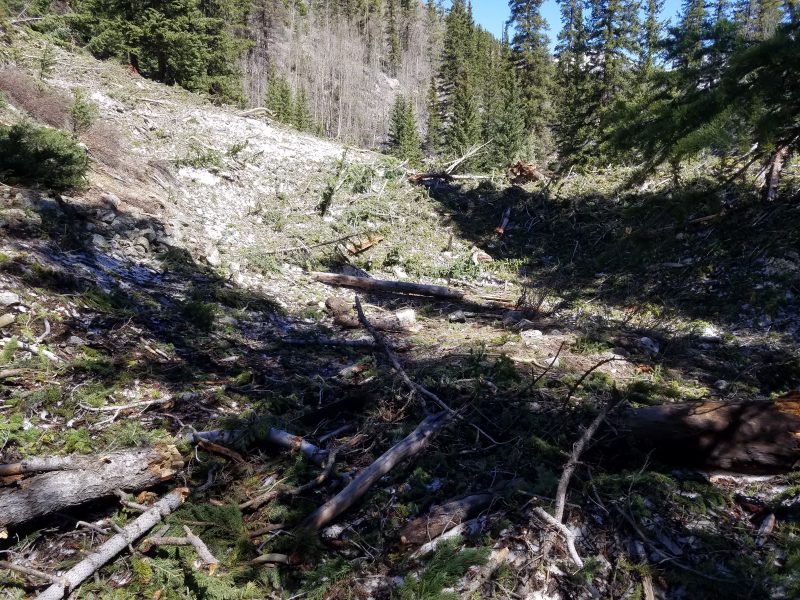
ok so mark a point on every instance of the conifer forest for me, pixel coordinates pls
(399, 299)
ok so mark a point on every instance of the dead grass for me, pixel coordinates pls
(52, 107)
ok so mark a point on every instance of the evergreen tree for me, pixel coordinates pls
(193, 43)
(572, 78)
(504, 119)
(458, 93)
(393, 41)
(404, 140)
(279, 99)
(302, 118)
(433, 140)
(533, 62)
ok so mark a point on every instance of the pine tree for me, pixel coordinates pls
(504, 118)
(458, 93)
(404, 140)
(433, 139)
(302, 118)
(279, 99)
(651, 39)
(393, 41)
(192, 43)
(533, 62)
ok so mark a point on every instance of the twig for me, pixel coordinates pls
(202, 550)
(381, 341)
(412, 385)
(568, 536)
(34, 350)
(143, 404)
(311, 247)
(267, 529)
(572, 464)
(4, 564)
(281, 559)
(124, 499)
(408, 447)
(273, 494)
(46, 332)
(221, 450)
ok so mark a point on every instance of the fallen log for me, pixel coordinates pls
(409, 446)
(111, 548)
(81, 479)
(284, 439)
(748, 437)
(443, 517)
(383, 285)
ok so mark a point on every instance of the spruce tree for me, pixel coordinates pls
(404, 140)
(533, 62)
(433, 139)
(458, 93)
(192, 43)
(504, 118)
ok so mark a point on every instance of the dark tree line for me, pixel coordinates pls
(620, 87)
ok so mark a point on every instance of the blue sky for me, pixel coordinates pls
(493, 14)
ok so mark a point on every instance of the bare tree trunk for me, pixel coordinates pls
(776, 163)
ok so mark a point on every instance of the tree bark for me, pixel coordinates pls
(443, 517)
(748, 437)
(396, 287)
(776, 163)
(82, 479)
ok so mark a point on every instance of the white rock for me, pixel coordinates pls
(530, 337)
(8, 298)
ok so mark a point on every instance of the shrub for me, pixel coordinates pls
(41, 156)
(82, 113)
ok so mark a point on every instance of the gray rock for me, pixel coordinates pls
(213, 258)
(457, 317)
(721, 385)
(649, 345)
(524, 325)
(108, 217)
(74, 340)
(531, 336)
(8, 299)
(99, 241)
(6, 320)
(143, 242)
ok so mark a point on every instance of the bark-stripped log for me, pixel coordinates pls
(409, 446)
(752, 437)
(284, 439)
(382, 285)
(110, 549)
(86, 478)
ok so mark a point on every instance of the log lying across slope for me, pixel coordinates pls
(381, 285)
(71, 481)
(752, 437)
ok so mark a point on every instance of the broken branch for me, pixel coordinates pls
(111, 548)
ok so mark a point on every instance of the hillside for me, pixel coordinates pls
(173, 294)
